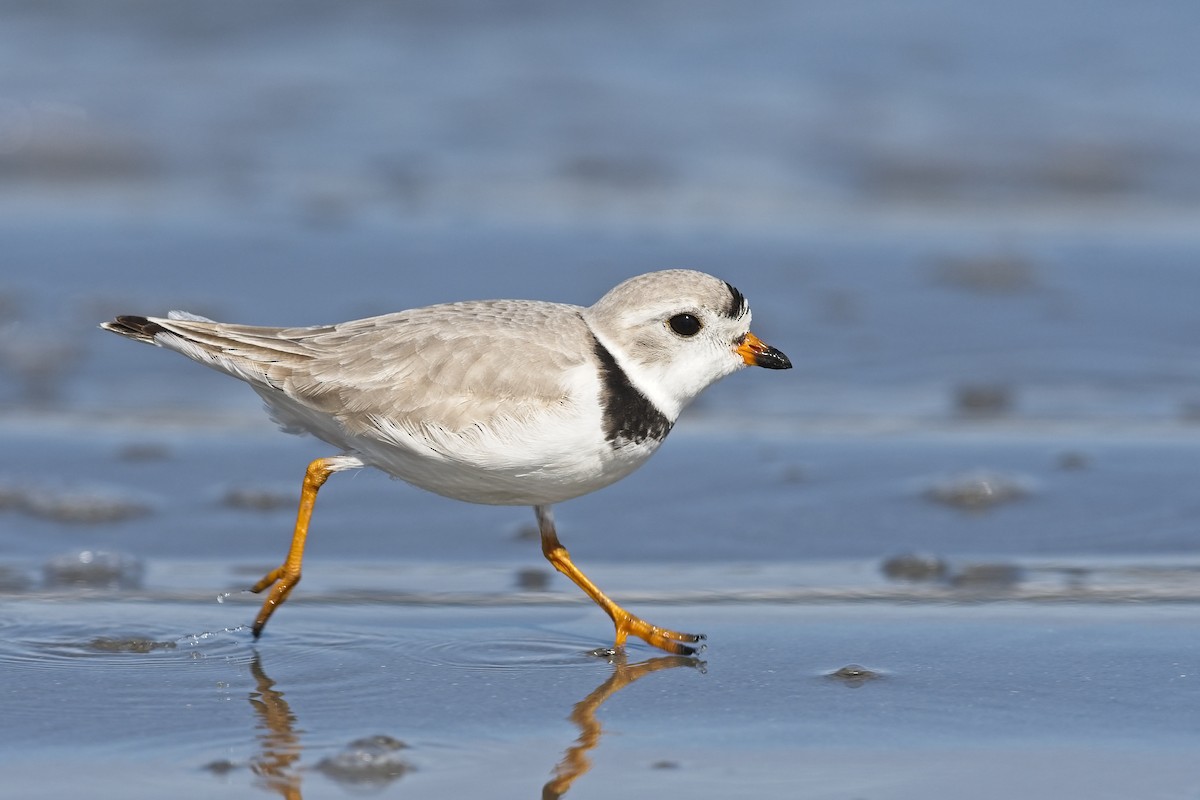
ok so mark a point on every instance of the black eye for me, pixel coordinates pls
(684, 324)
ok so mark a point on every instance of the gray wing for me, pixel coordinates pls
(451, 366)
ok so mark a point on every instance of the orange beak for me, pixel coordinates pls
(757, 353)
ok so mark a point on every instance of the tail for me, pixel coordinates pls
(138, 328)
(144, 329)
(258, 355)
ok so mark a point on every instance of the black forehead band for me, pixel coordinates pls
(737, 303)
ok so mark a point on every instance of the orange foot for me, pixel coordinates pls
(662, 638)
(282, 583)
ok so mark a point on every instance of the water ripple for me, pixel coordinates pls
(69, 647)
(508, 654)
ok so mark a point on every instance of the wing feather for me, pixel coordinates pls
(448, 367)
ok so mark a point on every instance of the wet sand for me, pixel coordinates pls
(994, 700)
(419, 658)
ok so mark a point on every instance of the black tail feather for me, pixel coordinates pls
(139, 328)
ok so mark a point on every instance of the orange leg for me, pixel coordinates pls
(626, 623)
(285, 577)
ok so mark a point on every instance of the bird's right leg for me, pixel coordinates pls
(284, 578)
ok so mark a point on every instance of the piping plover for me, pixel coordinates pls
(508, 402)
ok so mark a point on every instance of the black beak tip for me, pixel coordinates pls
(772, 359)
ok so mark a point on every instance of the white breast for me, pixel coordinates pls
(533, 460)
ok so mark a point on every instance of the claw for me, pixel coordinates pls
(281, 583)
(662, 638)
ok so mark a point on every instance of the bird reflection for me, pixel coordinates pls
(276, 765)
(575, 762)
(278, 737)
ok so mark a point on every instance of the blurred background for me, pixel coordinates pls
(934, 207)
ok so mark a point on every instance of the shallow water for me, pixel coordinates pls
(1050, 650)
(951, 553)
(998, 700)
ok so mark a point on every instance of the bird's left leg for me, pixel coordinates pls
(626, 623)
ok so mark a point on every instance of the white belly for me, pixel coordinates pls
(538, 462)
